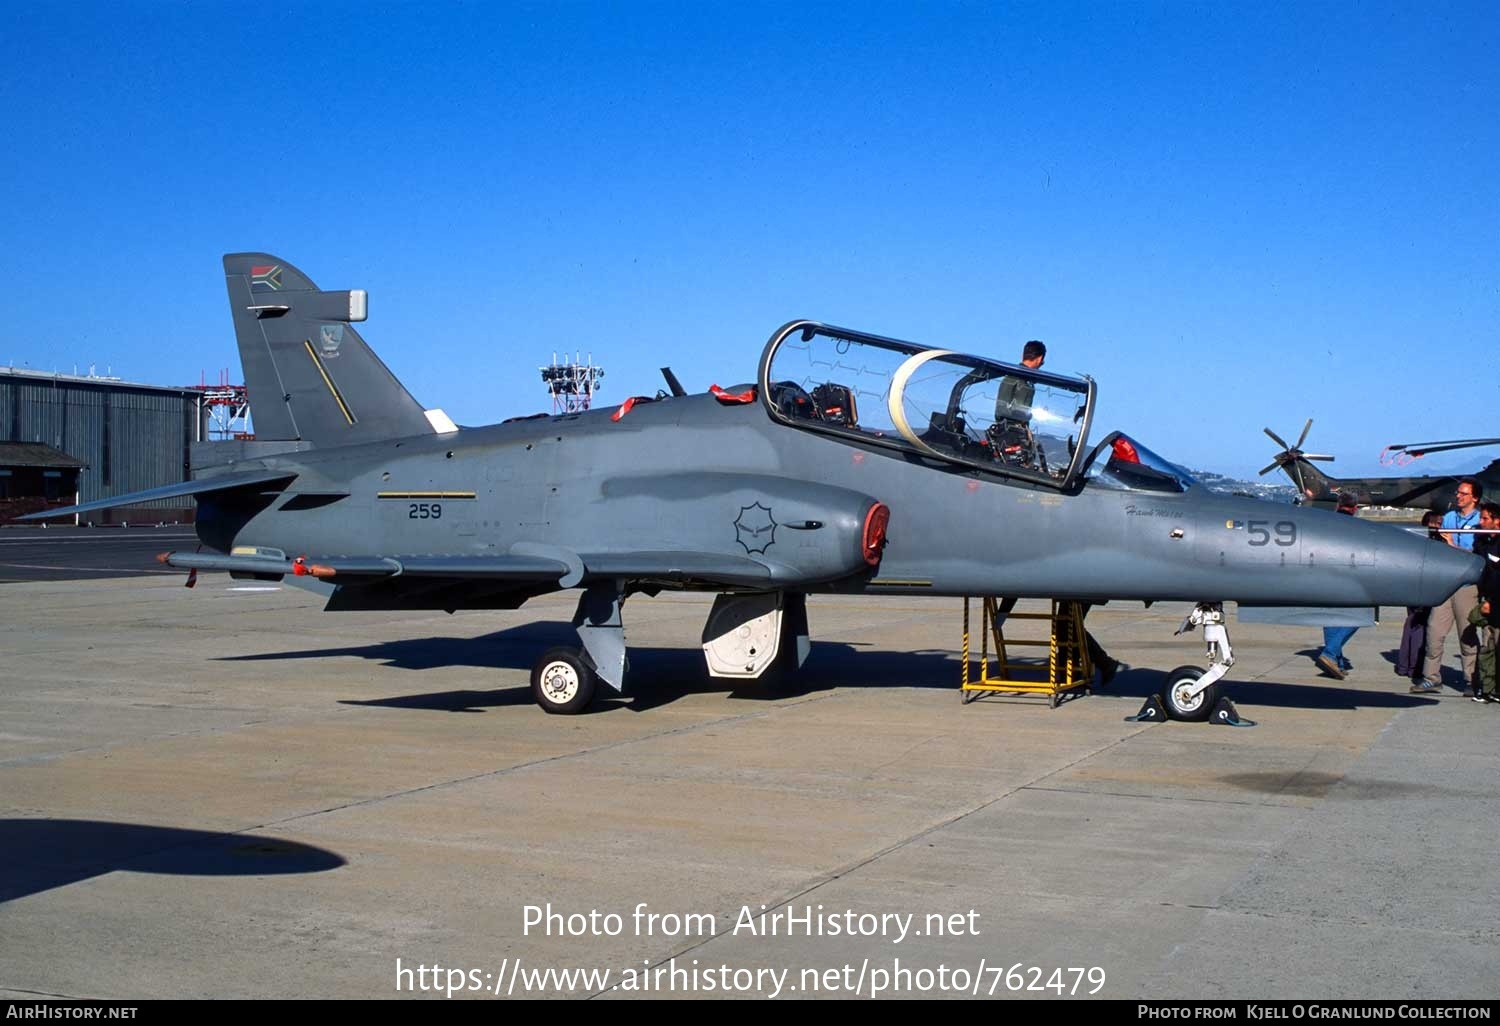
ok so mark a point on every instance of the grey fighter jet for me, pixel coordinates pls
(853, 464)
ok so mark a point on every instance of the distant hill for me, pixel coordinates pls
(1260, 489)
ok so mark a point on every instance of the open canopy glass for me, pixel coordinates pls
(967, 410)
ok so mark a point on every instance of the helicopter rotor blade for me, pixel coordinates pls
(1293, 460)
(1445, 441)
(1423, 448)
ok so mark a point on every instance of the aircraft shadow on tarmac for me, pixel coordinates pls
(659, 675)
(672, 673)
(39, 854)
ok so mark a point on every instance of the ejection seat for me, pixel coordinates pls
(1013, 444)
(835, 404)
(792, 400)
(945, 432)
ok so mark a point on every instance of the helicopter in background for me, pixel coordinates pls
(1423, 492)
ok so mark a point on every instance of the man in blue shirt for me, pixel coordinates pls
(1454, 612)
(1330, 657)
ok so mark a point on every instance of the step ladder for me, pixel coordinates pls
(1068, 667)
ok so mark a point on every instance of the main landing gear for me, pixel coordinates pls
(747, 636)
(564, 680)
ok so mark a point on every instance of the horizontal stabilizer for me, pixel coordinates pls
(369, 569)
(226, 564)
(275, 480)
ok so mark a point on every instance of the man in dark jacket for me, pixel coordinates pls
(1011, 433)
(1486, 614)
(1413, 650)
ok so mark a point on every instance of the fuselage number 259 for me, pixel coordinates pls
(425, 511)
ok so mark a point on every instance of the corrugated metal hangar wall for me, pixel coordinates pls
(129, 436)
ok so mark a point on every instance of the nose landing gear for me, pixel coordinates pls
(1191, 693)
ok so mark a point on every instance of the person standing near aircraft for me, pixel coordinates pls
(1485, 617)
(1413, 648)
(1331, 657)
(1011, 433)
(1101, 660)
(1013, 410)
(1455, 611)
(1013, 402)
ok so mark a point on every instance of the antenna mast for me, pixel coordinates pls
(572, 384)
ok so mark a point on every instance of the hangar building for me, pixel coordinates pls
(66, 438)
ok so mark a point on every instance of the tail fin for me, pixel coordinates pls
(1316, 486)
(309, 374)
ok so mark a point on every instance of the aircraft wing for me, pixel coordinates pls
(202, 486)
(706, 568)
(689, 568)
(839, 535)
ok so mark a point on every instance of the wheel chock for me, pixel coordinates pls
(1226, 715)
(1151, 712)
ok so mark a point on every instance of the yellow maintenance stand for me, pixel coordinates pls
(1068, 666)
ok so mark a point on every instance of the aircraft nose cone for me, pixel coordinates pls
(1445, 569)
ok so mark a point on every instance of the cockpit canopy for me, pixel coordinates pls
(968, 410)
(1122, 463)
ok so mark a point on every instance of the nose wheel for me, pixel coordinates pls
(1184, 699)
(1190, 692)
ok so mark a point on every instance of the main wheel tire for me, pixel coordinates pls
(1182, 708)
(561, 682)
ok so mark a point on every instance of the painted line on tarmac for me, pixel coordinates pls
(85, 569)
(68, 540)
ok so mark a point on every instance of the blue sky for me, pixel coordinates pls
(1232, 216)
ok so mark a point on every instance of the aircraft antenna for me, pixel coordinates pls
(572, 383)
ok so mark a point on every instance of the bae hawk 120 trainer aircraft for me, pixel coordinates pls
(854, 464)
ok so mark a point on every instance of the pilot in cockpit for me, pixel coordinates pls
(1011, 434)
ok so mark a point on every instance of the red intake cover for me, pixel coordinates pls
(875, 525)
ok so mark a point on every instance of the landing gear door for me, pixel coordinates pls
(743, 634)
